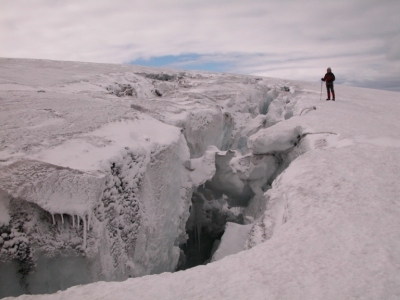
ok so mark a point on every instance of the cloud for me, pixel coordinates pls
(297, 39)
(393, 48)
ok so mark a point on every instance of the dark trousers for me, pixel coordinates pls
(329, 89)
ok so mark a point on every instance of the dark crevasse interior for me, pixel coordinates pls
(223, 199)
(219, 200)
(205, 227)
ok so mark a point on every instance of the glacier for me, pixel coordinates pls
(236, 186)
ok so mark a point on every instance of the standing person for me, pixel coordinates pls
(329, 79)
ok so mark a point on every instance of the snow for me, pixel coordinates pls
(380, 142)
(203, 168)
(232, 241)
(326, 228)
(57, 190)
(89, 177)
(275, 139)
(84, 152)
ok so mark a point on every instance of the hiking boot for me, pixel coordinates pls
(328, 99)
(333, 99)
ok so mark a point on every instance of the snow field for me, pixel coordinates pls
(317, 183)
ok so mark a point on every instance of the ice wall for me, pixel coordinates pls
(55, 189)
(261, 149)
(208, 127)
(270, 211)
(262, 208)
(122, 168)
(122, 221)
(166, 194)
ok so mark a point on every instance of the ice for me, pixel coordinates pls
(232, 241)
(202, 168)
(275, 139)
(166, 212)
(4, 212)
(205, 226)
(240, 177)
(207, 127)
(314, 182)
(120, 223)
(264, 105)
(113, 181)
(228, 182)
(254, 125)
(55, 189)
(92, 149)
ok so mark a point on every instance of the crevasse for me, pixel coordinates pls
(163, 193)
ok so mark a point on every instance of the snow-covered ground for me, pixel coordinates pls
(99, 163)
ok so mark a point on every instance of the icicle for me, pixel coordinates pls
(77, 218)
(62, 218)
(197, 211)
(194, 235)
(198, 234)
(84, 231)
(58, 225)
(89, 218)
(54, 221)
(73, 221)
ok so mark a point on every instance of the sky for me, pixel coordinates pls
(291, 39)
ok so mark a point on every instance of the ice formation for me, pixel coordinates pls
(109, 172)
(235, 236)
(121, 171)
(55, 189)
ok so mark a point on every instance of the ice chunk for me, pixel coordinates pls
(254, 125)
(240, 164)
(275, 139)
(203, 168)
(241, 177)
(255, 170)
(232, 241)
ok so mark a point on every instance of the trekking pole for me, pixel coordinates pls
(321, 92)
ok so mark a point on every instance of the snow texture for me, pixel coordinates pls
(275, 139)
(55, 189)
(317, 183)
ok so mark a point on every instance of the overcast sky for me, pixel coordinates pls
(292, 39)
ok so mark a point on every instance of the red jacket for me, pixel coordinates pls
(329, 78)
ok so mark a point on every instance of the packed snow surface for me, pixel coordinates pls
(82, 153)
(317, 181)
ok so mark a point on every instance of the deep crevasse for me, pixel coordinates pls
(148, 177)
